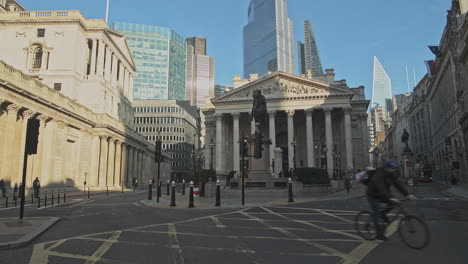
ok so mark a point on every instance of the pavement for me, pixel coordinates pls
(120, 229)
(16, 233)
(232, 198)
(459, 191)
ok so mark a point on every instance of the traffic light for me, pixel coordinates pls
(158, 151)
(32, 136)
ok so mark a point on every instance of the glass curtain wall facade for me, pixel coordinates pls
(381, 88)
(268, 38)
(311, 54)
(159, 58)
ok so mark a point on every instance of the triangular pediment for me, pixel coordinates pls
(287, 86)
(121, 42)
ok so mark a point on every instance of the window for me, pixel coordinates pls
(40, 32)
(58, 87)
(37, 58)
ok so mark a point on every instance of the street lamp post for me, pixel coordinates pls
(293, 144)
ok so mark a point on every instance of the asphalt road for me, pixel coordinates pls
(120, 230)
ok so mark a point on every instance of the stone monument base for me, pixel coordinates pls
(260, 179)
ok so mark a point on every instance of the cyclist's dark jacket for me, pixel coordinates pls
(380, 183)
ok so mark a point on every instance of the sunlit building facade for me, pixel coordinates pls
(382, 88)
(159, 53)
(268, 38)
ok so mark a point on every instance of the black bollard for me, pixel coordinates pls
(6, 200)
(45, 199)
(58, 197)
(32, 196)
(88, 192)
(167, 187)
(290, 192)
(159, 189)
(191, 203)
(183, 187)
(52, 199)
(150, 191)
(64, 196)
(38, 202)
(218, 193)
(173, 195)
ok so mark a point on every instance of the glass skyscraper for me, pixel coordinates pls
(268, 38)
(381, 88)
(159, 54)
(309, 58)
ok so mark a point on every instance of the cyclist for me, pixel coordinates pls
(378, 191)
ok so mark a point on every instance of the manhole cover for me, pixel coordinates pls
(18, 224)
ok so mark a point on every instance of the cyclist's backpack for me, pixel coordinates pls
(364, 177)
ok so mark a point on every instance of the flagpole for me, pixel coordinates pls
(407, 78)
(107, 12)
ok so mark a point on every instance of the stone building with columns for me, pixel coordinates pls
(76, 76)
(75, 144)
(323, 117)
(82, 58)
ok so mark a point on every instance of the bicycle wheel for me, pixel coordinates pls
(365, 226)
(414, 232)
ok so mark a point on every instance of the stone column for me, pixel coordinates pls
(272, 133)
(114, 69)
(135, 164)
(235, 142)
(131, 152)
(348, 138)
(100, 58)
(11, 138)
(290, 138)
(310, 138)
(127, 83)
(252, 127)
(329, 139)
(121, 77)
(103, 161)
(219, 142)
(38, 162)
(21, 148)
(118, 163)
(111, 163)
(107, 66)
(124, 164)
(93, 58)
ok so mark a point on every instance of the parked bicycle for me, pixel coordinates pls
(413, 231)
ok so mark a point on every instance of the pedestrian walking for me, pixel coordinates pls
(347, 183)
(2, 188)
(36, 186)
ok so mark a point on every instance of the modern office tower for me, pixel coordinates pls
(200, 72)
(198, 44)
(382, 88)
(221, 89)
(175, 122)
(309, 58)
(268, 38)
(160, 56)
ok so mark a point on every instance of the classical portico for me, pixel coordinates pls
(324, 120)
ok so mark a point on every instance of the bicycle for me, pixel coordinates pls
(409, 226)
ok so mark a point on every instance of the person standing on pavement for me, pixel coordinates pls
(36, 186)
(347, 183)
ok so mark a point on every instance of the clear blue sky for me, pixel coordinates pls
(349, 33)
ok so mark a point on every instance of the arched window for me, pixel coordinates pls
(37, 58)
